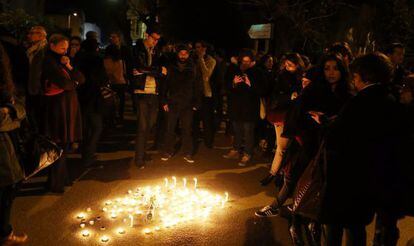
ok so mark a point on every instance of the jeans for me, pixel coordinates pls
(244, 136)
(147, 111)
(7, 195)
(93, 126)
(355, 235)
(206, 115)
(185, 116)
(120, 90)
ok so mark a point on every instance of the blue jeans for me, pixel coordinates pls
(244, 136)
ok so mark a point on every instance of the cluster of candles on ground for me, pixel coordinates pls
(151, 208)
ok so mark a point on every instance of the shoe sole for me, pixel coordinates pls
(266, 216)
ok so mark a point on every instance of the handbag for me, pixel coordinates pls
(311, 187)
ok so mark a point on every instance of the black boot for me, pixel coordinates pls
(267, 180)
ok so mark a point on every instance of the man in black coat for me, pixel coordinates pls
(180, 96)
(362, 164)
(245, 86)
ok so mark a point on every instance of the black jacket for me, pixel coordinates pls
(91, 66)
(181, 87)
(140, 62)
(244, 100)
(286, 84)
(362, 146)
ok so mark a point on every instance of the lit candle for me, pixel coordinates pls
(195, 183)
(104, 239)
(166, 182)
(226, 196)
(175, 180)
(184, 182)
(121, 231)
(88, 210)
(109, 202)
(104, 209)
(157, 228)
(131, 220)
(146, 231)
(82, 225)
(113, 215)
(91, 222)
(85, 233)
(81, 216)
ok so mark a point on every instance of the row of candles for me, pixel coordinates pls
(176, 204)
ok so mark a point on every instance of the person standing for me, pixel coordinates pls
(146, 82)
(205, 65)
(245, 88)
(36, 55)
(180, 97)
(62, 117)
(11, 174)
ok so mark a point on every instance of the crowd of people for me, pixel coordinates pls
(338, 128)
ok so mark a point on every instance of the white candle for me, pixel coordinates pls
(82, 225)
(175, 181)
(104, 239)
(147, 231)
(81, 216)
(85, 233)
(121, 231)
(166, 182)
(131, 220)
(184, 182)
(195, 183)
(226, 196)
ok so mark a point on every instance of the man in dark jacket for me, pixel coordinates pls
(146, 81)
(361, 149)
(246, 85)
(180, 96)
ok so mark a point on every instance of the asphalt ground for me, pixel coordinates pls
(50, 219)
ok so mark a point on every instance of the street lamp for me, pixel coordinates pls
(69, 18)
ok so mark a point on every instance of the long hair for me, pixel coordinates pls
(342, 88)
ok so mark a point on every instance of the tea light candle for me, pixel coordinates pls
(85, 233)
(166, 182)
(131, 220)
(88, 210)
(113, 215)
(103, 228)
(81, 216)
(91, 222)
(82, 225)
(174, 180)
(146, 231)
(104, 239)
(226, 196)
(121, 231)
(157, 228)
(184, 182)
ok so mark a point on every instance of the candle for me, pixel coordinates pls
(184, 182)
(131, 218)
(104, 209)
(121, 231)
(88, 210)
(85, 233)
(82, 225)
(175, 180)
(113, 215)
(195, 183)
(166, 182)
(157, 228)
(146, 231)
(91, 222)
(81, 216)
(104, 239)
(109, 202)
(226, 196)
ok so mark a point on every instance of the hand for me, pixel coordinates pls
(164, 71)
(165, 107)
(316, 116)
(201, 53)
(247, 80)
(195, 109)
(135, 72)
(294, 96)
(66, 62)
(238, 79)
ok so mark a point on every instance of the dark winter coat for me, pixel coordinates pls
(62, 117)
(181, 87)
(244, 100)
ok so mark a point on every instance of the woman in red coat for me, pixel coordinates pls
(62, 117)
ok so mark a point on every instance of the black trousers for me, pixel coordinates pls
(205, 115)
(7, 195)
(58, 175)
(93, 126)
(355, 235)
(185, 116)
(147, 111)
(120, 90)
(386, 229)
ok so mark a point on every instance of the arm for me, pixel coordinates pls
(53, 73)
